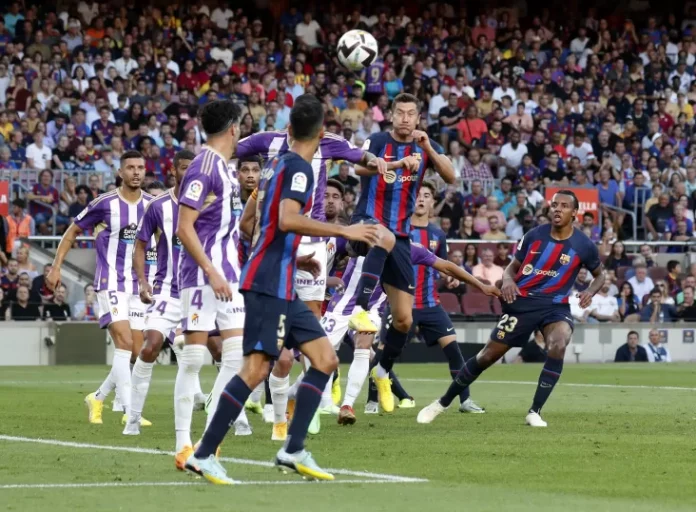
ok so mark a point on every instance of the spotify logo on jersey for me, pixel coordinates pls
(389, 176)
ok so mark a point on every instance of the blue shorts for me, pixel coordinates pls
(521, 318)
(272, 323)
(433, 324)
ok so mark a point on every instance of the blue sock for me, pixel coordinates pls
(267, 390)
(468, 374)
(229, 407)
(371, 272)
(306, 402)
(394, 343)
(455, 359)
(397, 388)
(547, 380)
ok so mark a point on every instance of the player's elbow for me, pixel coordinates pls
(285, 223)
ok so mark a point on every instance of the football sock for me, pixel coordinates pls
(371, 272)
(308, 398)
(468, 374)
(190, 364)
(106, 387)
(372, 394)
(455, 361)
(231, 364)
(279, 387)
(292, 392)
(140, 384)
(269, 399)
(326, 400)
(120, 368)
(547, 380)
(397, 388)
(229, 407)
(394, 342)
(256, 394)
(357, 373)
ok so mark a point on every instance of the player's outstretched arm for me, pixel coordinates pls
(600, 275)
(139, 267)
(66, 243)
(450, 269)
(248, 220)
(290, 219)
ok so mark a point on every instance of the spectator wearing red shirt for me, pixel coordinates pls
(43, 196)
(254, 85)
(280, 94)
(665, 120)
(188, 80)
(471, 128)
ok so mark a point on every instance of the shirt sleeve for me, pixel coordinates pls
(592, 260)
(92, 215)
(442, 250)
(195, 187)
(437, 147)
(422, 256)
(252, 145)
(148, 224)
(341, 149)
(522, 247)
(298, 182)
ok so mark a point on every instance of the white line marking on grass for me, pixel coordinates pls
(562, 384)
(186, 484)
(249, 462)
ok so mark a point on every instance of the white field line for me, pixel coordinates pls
(185, 484)
(155, 381)
(249, 462)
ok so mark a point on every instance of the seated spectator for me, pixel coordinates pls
(608, 189)
(82, 194)
(23, 310)
(617, 258)
(505, 196)
(449, 116)
(519, 225)
(24, 264)
(627, 301)
(678, 294)
(579, 314)
(43, 196)
(487, 269)
(450, 205)
(87, 308)
(657, 312)
(481, 225)
(658, 216)
(648, 255)
(588, 221)
(57, 309)
(345, 177)
(511, 154)
(641, 282)
(4, 306)
(657, 352)
(552, 172)
(534, 197)
(631, 351)
(472, 201)
(527, 171)
(492, 207)
(604, 307)
(471, 128)
(466, 229)
(494, 232)
(39, 288)
(664, 289)
(687, 309)
(502, 256)
(521, 203)
(581, 283)
(474, 168)
(18, 224)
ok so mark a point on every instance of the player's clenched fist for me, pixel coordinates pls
(421, 138)
(53, 278)
(367, 233)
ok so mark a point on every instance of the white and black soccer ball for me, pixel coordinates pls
(357, 49)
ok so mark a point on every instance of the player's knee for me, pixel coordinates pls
(386, 238)
(283, 364)
(557, 345)
(402, 321)
(150, 351)
(326, 362)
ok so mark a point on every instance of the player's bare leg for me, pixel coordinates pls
(557, 336)
(455, 360)
(141, 375)
(401, 306)
(119, 376)
(279, 384)
(471, 370)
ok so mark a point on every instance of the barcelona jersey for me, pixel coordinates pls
(549, 267)
(390, 198)
(270, 269)
(434, 239)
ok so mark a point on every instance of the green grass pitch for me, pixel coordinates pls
(620, 438)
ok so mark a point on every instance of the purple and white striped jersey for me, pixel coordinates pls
(210, 186)
(160, 221)
(116, 222)
(345, 303)
(331, 147)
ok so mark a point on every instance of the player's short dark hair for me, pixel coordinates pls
(337, 185)
(430, 186)
(405, 97)
(131, 153)
(217, 116)
(671, 265)
(306, 117)
(254, 159)
(566, 192)
(184, 154)
(156, 185)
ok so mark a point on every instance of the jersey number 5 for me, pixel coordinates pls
(507, 323)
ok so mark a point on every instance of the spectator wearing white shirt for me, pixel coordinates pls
(437, 102)
(685, 78)
(222, 52)
(604, 307)
(578, 45)
(307, 31)
(641, 282)
(657, 352)
(295, 89)
(367, 126)
(125, 64)
(511, 153)
(581, 149)
(462, 88)
(504, 89)
(221, 16)
(38, 154)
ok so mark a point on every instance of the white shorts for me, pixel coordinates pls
(336, 325)
(163, 315)
(201, 311)
(308, 288)
(120, 306)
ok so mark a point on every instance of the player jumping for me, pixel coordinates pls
(536, 287)
(116, 216)
(276, 317)
(388, 199)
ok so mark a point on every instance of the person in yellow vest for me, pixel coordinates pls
(19, 224)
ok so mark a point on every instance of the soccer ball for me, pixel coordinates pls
(357, 49)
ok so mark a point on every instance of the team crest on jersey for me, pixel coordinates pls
(114, 312)
(194, 190)
(528, 269)
(565, 259)
(433, 245)
(417, 155)
(127, 234)
(194, 319)
(501, 335)
(280, 343)
(389, 176)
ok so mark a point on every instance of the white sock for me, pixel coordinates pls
(357, 374)
(192, 358)
(326, 400)
(279, 393)
(292, 392)
(381, 372)
(197, 385)
(256, 393)
(232, 357)
(120, 373)
(106, 387)
(218, 365)
(140, 384)
(176, 348)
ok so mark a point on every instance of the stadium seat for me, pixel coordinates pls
(473, 289)
(497, 306)
(657, 273)
(621, 273)
(476, 304)
(450, 303)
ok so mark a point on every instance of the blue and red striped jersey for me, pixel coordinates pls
(271, 266)
(434, 239)
(390, 198)
(549, 267)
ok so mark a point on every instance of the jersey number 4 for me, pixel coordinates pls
(507, 323)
